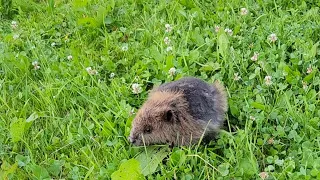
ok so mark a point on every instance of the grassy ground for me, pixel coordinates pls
(60, 119)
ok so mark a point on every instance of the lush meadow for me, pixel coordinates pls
(74, 73)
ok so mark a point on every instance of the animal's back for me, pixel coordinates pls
(205, 101)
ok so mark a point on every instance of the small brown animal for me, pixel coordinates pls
(180, 113)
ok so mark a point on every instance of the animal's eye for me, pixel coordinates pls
(147, 129)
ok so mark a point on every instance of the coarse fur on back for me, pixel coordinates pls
(180, 113)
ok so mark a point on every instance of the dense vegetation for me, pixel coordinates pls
(73, 74)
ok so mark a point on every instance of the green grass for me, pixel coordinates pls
(60, 121)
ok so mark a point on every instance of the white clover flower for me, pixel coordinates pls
(263, 175)
(309, 70)
(136, 89)
(124, 47)
(69, 57)
(172, 71)
(236, 77)
(53, 44)
(88, 69)
(271, 141)
(255, 56)
(169, 48)
(252, 118)
(16, 36)
(91, 71)
(166, 40)
(94, 72)
(216, 28)
(243, 11)
(168, 28)
(35, 65)
(229, 31)
(304, 85)
(267, 80)
(111, 75)
(273, 37)
(14, 24)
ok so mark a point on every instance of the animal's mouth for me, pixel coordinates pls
(131, 139)
(135, 141)
(138, 142)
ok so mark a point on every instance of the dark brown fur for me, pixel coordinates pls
(166, 117)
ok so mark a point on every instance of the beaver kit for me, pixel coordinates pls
(180, 113)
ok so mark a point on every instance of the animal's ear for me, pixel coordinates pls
(168, 116)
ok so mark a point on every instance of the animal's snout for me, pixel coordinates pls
(132, 139)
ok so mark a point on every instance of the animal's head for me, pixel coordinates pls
(158, 120)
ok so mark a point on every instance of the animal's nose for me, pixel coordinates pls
(132, 139)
